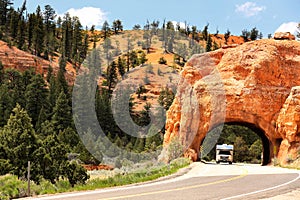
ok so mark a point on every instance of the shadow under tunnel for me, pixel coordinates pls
(266, 143)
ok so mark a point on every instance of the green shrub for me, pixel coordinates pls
(162, 61)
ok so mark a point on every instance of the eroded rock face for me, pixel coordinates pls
(13, 58)
(284, 36)
(254, 84)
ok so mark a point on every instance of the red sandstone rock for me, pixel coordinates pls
(254, 84)
(284, 36)
(13, 58)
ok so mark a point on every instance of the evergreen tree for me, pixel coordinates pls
(117, 26)
(41, 119)
(241, 151)
(52, 93)
(254, 34)
(19, 141)
(61, 83)
(112, 75)
(245, 35)
(77, 41)
(76, 173)
(134, 61)
(142, 58)
(36, 95)
(121, 66)
(6, 104)
(30, 29)
(21, 34)
(1, 73)
(49, 17)
(205, 33)
(256, 149)
(52, 158)
(129, 48)
(226, 36)
(105, 30)
(208, 44)
(4, 8)
(194, 33)
(13, 26)
(66, 39)
(62, 116)
(85, 46)
(16, 86)
(38, 33)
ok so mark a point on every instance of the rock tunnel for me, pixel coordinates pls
(255, 85)
(267, 146)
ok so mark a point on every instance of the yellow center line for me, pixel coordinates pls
(245, 173)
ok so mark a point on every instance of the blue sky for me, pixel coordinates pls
(235, 15)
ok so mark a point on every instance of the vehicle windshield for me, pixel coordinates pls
(225, 152)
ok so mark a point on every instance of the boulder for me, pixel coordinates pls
(284, 36)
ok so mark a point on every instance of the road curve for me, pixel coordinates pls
(203, 181)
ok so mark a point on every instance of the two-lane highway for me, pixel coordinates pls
(203, 181)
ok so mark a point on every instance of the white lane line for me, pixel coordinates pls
(263, 190)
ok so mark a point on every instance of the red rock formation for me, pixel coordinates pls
(13, 58)
(253, 84)
(284, 36)
(97, 167)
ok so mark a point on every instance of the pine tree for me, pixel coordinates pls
(16, 86)
(4, 8)
(19, 141)
(85, 46)
(246, 35)
(112, 75)
(52, 158)
(105, 30)
(21, 34)
(30, 29)
(49, 16)
(66, 39)
(129, 48)
(121, 66)
(254, 34)
(208, 44)
(38, 33)
(62, 116)
(117, 26)
(6, 104)
(36, 95)
(13, 26)
(61, 82)
(77, 39)
(226, 36)
(205, 33)
(1, 73)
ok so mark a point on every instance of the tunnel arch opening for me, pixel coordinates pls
(266, 143)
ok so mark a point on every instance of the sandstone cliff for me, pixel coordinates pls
(13, 58)
(253, 84)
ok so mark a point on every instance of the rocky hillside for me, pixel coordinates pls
(12, 57)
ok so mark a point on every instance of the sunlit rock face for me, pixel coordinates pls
(254, 84)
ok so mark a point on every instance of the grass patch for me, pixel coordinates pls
(11, 187)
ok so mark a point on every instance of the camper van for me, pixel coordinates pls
(224, 153)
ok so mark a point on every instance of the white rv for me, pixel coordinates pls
(224, 153)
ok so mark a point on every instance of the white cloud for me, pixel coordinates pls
(181, 24)
(89, 16)
(288, 27)
(249, 9)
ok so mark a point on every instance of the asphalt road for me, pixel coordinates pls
(204, 181)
